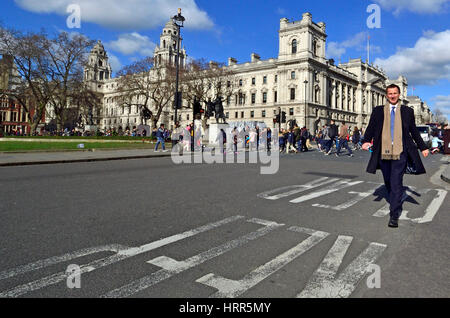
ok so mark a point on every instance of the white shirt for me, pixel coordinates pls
(395, 107)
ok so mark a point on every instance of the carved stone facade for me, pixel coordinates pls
(301, 81)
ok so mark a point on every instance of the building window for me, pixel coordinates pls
(253, 80)
(293, 75)
(263, 114)
(253, 98)
(227, 115)
(240, 82)
(187, 117)
(292, 93)
(252, 114)
(275, 97)
(294, 46)
(242, 114)
(264, 97)
(236, 115)
(241, 99)
(265, 80)
(276, 78)
(314, 47)
(291, 111)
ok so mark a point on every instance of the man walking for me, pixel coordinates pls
(343, 142)
(332, 133)
(392, 128)
(160, 139)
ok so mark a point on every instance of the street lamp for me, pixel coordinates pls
(178, 20)
(306, 90)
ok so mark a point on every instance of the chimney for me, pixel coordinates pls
(255, 57)
(232, 61)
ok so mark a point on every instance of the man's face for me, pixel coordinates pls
(393, 95)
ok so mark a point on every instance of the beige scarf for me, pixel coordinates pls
(391, 151)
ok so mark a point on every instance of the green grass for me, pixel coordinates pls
(8, 146)
(123, 138)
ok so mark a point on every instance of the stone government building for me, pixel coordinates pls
(310, 88)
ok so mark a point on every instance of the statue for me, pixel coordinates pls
(219, 110)
(215, 108)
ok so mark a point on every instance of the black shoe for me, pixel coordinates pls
(393, 223)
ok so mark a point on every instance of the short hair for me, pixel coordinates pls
(343, 123)
(393, 86)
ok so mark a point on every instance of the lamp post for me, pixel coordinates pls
(306, 90)
(178, 20)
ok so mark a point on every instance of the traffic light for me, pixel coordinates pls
(276, 120)
(198, 108)
(283, 117)
(178, 100)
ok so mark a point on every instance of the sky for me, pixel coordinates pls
(407, 37)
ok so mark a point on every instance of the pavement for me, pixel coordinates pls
(8, 159)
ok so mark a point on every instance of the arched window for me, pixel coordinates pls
(314, 47)
(294, 46)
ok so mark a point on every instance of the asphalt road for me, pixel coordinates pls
(151, 228)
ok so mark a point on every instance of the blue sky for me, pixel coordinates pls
(413, 40)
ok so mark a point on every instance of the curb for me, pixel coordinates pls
(47, 162)
(446, 175)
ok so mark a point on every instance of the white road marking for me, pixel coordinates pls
(359, 197)
(324, 284)
(430, 211)
(330, 189)
(122, 253)
(385, 209)
(433, 208)
(294, 189)
(58, 259)
(171, 267)
(228, 288)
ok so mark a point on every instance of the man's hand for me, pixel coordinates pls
(425, 153)
(366, 146)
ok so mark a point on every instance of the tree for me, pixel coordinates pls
(205, 81)
(147, 87)
(35, 87)
(68, 57)
(439, 117)
(50, 72)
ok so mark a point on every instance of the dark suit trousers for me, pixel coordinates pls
(393, 171)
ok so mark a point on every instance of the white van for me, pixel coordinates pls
(425, 133)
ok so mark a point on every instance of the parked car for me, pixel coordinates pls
(425, 133)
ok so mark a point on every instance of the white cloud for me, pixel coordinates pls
(115, 63)
(417, 6)
(125, 14)
(281, 11)
(131, 43)
(443, 103)
(357, 42)
(424, 64)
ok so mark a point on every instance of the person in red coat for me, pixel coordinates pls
(395, 137)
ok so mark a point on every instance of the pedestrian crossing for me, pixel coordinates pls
(325, 281)
(431, 200)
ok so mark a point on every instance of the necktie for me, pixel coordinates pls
(392, 123)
